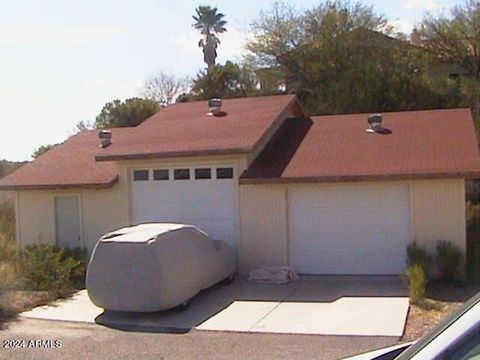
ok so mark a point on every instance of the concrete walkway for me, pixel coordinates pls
(78, 308)
(327, 305)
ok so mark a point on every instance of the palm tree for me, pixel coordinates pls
(210, 23)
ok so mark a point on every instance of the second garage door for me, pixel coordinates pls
(349, 228)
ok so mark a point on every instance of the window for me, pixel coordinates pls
(140, 175)
(224, 173)
(161, 174)
(181, 174)
(204, 173)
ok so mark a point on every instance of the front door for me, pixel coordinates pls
(67, 221)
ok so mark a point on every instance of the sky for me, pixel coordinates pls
(61, 61)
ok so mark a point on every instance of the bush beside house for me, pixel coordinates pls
(473, 241)
(418, 280)
(36, 274)
(448, 259)
(50, 268)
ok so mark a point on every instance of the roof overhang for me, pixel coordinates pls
(61, 186)
(357, 178)
(171, 154)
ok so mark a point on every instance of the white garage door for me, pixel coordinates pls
(202, 196)
(349, 228)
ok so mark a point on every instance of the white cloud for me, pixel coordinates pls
(62, 35)
(231, 46)
(402, 26)
(424, 4)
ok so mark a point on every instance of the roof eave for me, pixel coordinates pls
(61, 186)
(171, 154)
(356, 178)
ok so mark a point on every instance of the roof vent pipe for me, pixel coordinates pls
(215, 107)
(375, 122)
(105, 138)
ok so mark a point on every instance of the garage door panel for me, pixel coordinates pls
(304, 199)
(209, 204)
(364, 230)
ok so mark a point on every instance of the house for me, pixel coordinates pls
(320, 193)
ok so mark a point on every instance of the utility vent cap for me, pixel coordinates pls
(375, 122)
(105, 138)
(215, 107)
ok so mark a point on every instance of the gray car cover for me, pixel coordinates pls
(152, 267)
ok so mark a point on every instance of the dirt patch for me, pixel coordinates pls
(16, 301)
(442, 301)
(22, 300)
(422, 319)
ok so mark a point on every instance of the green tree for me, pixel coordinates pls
(42, 150)
(340, 57)
(7, 167)
(225, 81)
(210, 23)
(456, 40)
(130, 112)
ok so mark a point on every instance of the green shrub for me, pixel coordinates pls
(8, 256)
(8, 249)
(8, 277)
(49, 268)
(7, 220)
(417, 281)
(448, 260)
(473, 241)
(80, 270)
(473, 215)
(417, 255)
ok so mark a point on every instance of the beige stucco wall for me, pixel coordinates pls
(437, 212)
(263, 226)
(101, 211)
(35, 217)
(6, 196)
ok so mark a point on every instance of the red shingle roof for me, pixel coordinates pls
(71, 164)
(184, 129)
(435, 143)
(423, 144)
(180, 129)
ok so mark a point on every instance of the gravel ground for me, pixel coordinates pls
(442, 301)
(88, 341)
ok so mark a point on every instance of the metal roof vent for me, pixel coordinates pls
(105, 138)
(215, 107)
(375, 122)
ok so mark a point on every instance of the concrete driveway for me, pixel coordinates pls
(323, 305)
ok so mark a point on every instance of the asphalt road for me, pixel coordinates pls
(89, 341)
